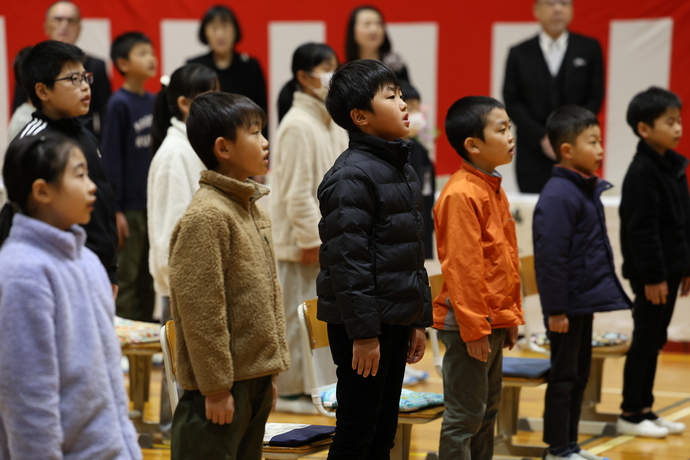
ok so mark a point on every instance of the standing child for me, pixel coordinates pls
(59, 88)
(655, 239)
(575, 271)
(172, 181)
(62, 394)
(226, 299)
(127, 156)
(307, 144)
(478, 309)
(373, 289)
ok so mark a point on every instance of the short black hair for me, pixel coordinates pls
(351, 46)
(354, 86)
(213, 115)
(223, 13)
(123, 44)
(649, 105)
(44, 63)
(17, 67)
(467, 118)
(566, 123)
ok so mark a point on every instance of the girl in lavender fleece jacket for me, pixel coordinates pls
(61, 389)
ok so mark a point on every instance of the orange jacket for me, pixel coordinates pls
(477, 248)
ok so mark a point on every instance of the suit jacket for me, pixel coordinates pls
(100, 93)
(529, 104)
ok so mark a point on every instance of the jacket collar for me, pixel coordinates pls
(670, 160)
(72, 126)
(178, 126)
(68, 243)
(245, 193)
(312, 105)
(590, 184)
(395, 152)
(494, 180)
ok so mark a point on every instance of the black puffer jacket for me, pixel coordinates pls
(372, 256)
(655, 217)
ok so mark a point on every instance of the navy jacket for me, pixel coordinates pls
(372, 256)
(572, 253)
(655, 217)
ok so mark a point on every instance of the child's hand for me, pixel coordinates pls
(220, 407)
(685, 286)
(479, 349)
(559, 323)
(417, 346)
(656, 293)
(122, 228)
(511, 337)
(309, 256)
(365, 356)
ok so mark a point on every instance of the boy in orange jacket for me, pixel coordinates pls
(479, 308)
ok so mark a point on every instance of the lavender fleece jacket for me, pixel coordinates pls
(62, 394)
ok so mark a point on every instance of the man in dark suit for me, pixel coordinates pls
(553, 69)
(63, 23)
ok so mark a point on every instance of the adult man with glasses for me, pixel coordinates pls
(63, 23)
(553, 69)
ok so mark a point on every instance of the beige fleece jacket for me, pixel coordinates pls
(307, 144)
(225, 296)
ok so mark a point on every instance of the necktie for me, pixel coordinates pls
(554, 58)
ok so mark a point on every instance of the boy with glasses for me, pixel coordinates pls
(59, 88)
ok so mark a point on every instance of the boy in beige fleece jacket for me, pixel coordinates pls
(225, 296)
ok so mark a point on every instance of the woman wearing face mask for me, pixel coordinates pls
(237, 72)
(367, 39)
(307, 144)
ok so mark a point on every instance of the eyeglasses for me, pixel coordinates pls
(552, 3)
(78, 78)
(70, 20)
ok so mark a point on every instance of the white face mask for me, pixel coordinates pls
(417, 121)
(322, 91)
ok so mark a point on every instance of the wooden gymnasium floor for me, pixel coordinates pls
(672, 393)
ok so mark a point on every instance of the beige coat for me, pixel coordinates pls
(306, 146)
(225, 296)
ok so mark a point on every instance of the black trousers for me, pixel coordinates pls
(367, 414)
(649, 336)
(571, 360)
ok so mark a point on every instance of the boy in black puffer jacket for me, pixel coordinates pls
(655, 239)
(575, 271)
(373, 289)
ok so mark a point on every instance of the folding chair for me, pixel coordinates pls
(317, 349)
(517, 374)
(167, 338)
(591, 421)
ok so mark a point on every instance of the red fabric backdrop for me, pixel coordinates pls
(464, 33)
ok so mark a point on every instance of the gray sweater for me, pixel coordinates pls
(62, 394)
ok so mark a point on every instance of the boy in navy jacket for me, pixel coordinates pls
(575, 271)
(127, 157)
(655, 240)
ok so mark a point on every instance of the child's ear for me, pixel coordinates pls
(42, 92)
(643, 129)
(122, 64)
(183, 103)
(359, 117)
(566, 150)
(222, 148)
(41, 192)
(302, 78)
(471, 146)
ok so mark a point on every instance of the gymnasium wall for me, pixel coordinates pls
(453, 47)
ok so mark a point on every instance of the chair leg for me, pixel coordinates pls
(403, 437)
(592, 395)
(507, 425)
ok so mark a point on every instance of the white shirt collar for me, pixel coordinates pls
(545, 41)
